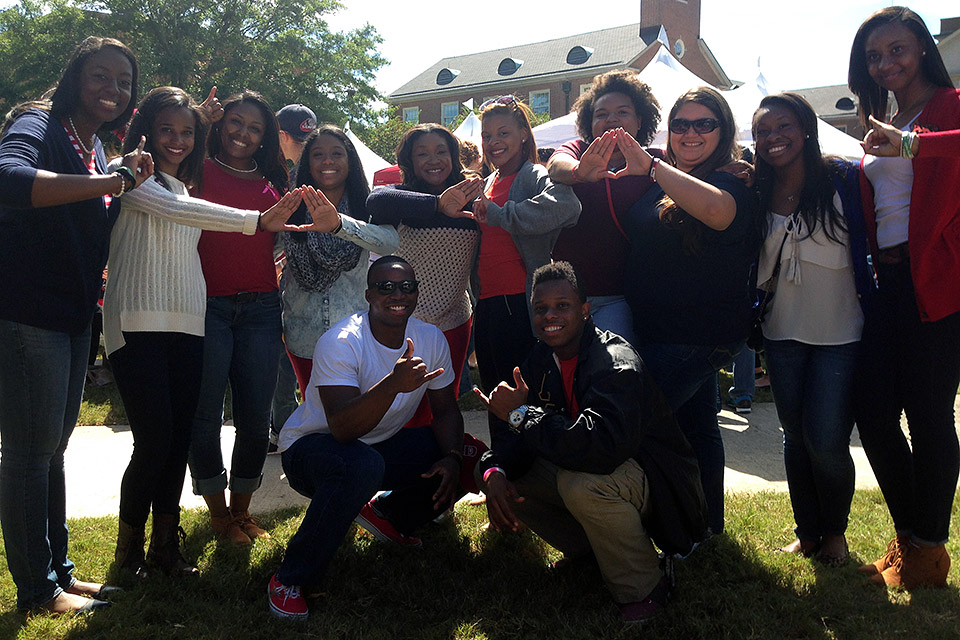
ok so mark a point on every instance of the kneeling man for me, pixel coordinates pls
(347, 441)
(588, 454)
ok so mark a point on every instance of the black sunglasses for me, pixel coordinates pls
(700, 125)
(386, 287)
(504, 100)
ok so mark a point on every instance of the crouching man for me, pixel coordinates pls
(347, 441)
(587, 453)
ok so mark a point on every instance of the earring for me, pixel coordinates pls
(807, 136)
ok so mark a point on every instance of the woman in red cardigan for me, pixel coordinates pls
(911, 336)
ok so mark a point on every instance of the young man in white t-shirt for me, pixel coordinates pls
(347, 440)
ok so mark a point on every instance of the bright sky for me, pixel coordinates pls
(800, 43)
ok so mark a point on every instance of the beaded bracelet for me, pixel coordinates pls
(123, 184)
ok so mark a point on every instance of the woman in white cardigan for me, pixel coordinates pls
(154, 309)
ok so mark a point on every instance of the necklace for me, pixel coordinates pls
(224, 164)
(917, 103)
(86, 151)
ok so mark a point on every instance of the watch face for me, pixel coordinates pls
(516, 417)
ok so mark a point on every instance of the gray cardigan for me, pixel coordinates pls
(535, 212)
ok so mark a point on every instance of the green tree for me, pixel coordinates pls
(383, 135)
(282, 48)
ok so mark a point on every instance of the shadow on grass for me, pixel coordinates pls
(469, 583)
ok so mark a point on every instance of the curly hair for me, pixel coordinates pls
(560, 270)
(623, 81)
(405, 157)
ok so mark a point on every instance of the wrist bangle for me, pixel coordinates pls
(906, 145)
(127, 174)
(652, 174)
(456, 454)
(123, 185)
(259, 218)
(340, 224)
(492, 470)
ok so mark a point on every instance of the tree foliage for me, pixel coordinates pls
(282, 48)
(383, 135)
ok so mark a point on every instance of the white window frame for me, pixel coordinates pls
(585, 87)
(411, 111)
(538, 93)
(456, 111)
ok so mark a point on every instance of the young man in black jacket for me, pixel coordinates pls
(587, 453)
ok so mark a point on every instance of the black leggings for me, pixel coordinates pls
(158, 376)
(911, 366)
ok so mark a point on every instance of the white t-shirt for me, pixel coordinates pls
(348, 355)
(892, 180)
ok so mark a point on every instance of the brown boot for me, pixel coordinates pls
(165, 540)
(890, 557)
(227, 527)
(240, 509)
(129, 554)
(925, 566)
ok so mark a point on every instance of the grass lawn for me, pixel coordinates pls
(468, 583)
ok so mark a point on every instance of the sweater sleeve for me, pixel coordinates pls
(940, 144)
(390, 205)
(154, 199)
(552, 206)
(20, 158)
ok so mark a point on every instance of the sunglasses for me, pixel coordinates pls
(505, 100)
(700, 125)
(387, 287)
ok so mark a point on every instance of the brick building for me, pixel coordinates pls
(550, 75)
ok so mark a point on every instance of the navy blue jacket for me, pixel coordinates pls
(51, 258)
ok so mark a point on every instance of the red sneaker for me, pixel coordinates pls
(381, 529)
(286, 602)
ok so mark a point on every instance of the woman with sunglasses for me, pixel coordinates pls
(437, 237)
(813, 264)
(615, 100)
(911, 337)
(327, 269)
(521, 212)
(58, 203)
(242, 341)
(693, 242)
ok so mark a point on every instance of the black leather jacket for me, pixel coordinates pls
(622, 415)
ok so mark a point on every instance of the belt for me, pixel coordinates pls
(245, 296)
(898, 254)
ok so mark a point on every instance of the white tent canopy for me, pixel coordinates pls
(669, 80)
(469, 129)
(371, 161)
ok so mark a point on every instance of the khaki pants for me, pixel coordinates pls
(577, 512)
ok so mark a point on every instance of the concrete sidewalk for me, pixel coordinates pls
(753, 446)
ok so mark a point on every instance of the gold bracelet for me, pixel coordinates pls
(123, 184)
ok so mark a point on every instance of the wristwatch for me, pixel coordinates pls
(518, 415)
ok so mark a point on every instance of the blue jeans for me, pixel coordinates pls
(613, 314)
(687, 375)
(41, 385)
(339, 478)
(744, 383)
(813, 388)
(242, 344)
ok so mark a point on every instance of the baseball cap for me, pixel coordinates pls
(298, 120)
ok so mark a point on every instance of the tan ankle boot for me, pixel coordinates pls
(227, 527)
(889, 558)
(250, 526)
(925, 566)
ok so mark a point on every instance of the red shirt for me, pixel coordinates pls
(567, 370)
(501, 269)
(233, 262)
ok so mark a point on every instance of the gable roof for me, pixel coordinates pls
(824, 100)
(611, 48)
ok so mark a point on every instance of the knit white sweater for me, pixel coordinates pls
(154, 281)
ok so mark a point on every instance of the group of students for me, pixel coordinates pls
(669, 245)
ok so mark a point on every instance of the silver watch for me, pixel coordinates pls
(518, 415)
